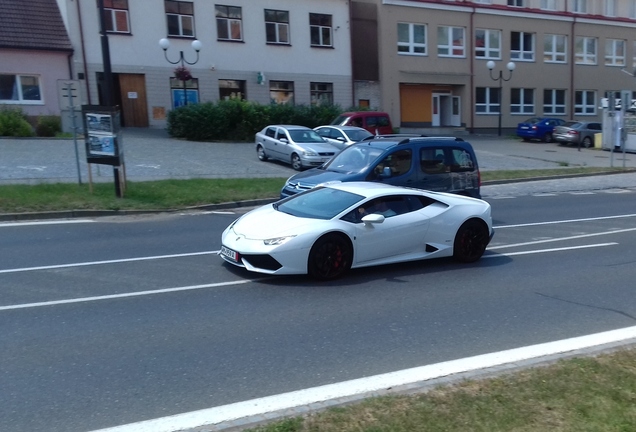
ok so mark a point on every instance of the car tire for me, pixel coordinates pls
(260, 152)
(547, 138)
(296, 162)
(470, 241)
(587, 142)
(525, 139)
(330, 257)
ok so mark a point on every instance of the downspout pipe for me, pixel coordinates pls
(471, 51)
(83, 46)
(572, 62)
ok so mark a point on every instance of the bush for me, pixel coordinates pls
(239, 120)
(48, 126)
(13, 122)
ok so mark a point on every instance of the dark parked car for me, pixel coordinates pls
(538, 128)
(579, 133)
(441, 164)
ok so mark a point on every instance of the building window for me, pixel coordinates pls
(320, 29)
(483, 1)
(580, 6)
(411, 39)
(488, 44)
(610, 8)
(180, 17)
(20, 89)
(521, 101)
(553, 102)
(585, 50)
(321, 93)
(231, 89)
(515, 3)
(632, 9)
(116, 16)
(548, 5)
(180, 93)
(555, 48)
(585, 102)
(522, 46)
(277, 26)
(487, 100)
(229, 23)
(451, 41)
(614, 52)
(281, 92)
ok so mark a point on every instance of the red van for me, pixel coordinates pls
(377, 123)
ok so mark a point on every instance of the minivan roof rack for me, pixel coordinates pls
(430, 138)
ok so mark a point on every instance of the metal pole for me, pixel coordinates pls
(185, 91)
(500, 98)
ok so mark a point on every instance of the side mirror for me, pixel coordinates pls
(373, 218)
(284, 140)
(386, 172)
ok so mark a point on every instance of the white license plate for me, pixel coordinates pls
(524, 127)
(229, 253)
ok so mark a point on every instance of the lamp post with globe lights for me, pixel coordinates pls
(511, 67)
(196, 46)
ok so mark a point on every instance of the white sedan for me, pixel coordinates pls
(327, 230)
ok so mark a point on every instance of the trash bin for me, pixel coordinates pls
(598, 140)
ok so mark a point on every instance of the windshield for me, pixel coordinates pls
(318, 203)
(305, 136)
(354, 159)
(340, 120)
(357, 135)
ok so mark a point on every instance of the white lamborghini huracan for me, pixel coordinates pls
(327, 230)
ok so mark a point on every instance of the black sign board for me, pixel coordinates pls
(102, 134)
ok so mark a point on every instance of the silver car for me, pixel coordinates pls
(580, 133)
(299, 146)
(343, 136)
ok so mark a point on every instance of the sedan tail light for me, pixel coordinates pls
(573, 132)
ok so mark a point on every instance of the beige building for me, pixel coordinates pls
(426, 61)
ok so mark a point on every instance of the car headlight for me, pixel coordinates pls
(310, 153)
(277, 241)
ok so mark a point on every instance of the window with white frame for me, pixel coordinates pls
(116, 16)
(229, 23)
(321, 93)
(553, 102)
(548, 5)
(585, 50)
(632, 9)
(276, 26)
(451, 41)
(488, 44)
(281, 92)
(614, 52)
(516, 3)
(521, 101)
(554, 48)
(23, 89)
(580, 6)
(585, 102)
(180, 17)
(411, 39)
(610, 8)
(522, 46)
(320, 30)
(483, 1)
(487, 100)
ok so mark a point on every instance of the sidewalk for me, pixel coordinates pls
(150, 154)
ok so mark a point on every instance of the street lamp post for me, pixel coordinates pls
(196, 45)
(510, 66)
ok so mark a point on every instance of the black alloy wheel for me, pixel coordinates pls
(330, 257)
(470, 241)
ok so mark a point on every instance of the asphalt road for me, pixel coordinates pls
(116, 320)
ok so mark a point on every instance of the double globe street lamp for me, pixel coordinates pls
(511, 67)
(196, 46)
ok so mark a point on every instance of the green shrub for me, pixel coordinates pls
(48, 126)
(239, 120)
(13, 122)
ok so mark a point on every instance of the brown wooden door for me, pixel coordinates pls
(134, 106)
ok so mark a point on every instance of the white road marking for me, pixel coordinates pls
(122, 295)
(52, 222)
(90, 263)
(548, 250)
(566, 221)
(367, 386)
(562, 238)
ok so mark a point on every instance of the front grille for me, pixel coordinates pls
(262, 261)
(326, 153)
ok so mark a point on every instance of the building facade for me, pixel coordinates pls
(281, 51)
(431, 67)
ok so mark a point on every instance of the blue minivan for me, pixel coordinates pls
(434, 163)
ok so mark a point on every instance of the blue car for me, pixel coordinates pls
(538, 128)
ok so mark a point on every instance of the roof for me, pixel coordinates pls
(33, 24)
